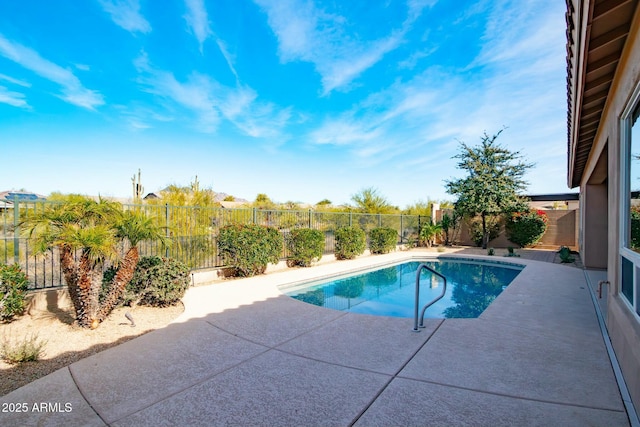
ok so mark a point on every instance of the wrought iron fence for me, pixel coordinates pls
(192, 231)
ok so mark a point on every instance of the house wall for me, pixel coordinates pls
(598, 231)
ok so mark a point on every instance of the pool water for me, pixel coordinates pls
(390, 291)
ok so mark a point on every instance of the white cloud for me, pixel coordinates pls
(126, 14)
(14, 81)
(72, 90)
(198, 20)
(212, 102)
(309, 34)
(13, 98)
(415, 124)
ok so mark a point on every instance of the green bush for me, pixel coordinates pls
(635, 228)
(382, 240)
(249, 248)
(350, 242)
(13, 289)
(565, 255)
(157, 282)
(305, 246)
(475, 229)
(526, 228)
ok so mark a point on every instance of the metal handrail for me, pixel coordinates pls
(444, 290)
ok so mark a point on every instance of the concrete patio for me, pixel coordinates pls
(244, 354)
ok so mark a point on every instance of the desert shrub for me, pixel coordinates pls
(13, 290)
(157, 282)
(350, 242)
(25, 350)
(382, 240)
(526, 228)
(475, 229)
(305, 246)
(248, 248)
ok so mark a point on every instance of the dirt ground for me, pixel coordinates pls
(66, 343)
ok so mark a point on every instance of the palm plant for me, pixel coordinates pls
(429, 233)
(79, 225)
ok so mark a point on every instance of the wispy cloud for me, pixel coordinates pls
(309, 34)
(13, 98)
(14, 81)
(126, 14)
(198, 23)
(73, 91)
(197, 20)
(417, 123)
(211, 102)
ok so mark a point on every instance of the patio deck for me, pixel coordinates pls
(244, 354)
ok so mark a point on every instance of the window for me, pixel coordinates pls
(630, 203)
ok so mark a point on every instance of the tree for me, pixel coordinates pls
(263, 202)
(368, 200)
(495, 177)
(92, 230)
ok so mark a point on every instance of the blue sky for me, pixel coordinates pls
(299, 99)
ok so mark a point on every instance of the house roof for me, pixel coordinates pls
(596, 34)
(559, 197)
(11, 195)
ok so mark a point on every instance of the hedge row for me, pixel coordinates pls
(248, 249)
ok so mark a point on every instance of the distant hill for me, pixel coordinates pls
(219, 197)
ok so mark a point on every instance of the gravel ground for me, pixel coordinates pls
(67, 343)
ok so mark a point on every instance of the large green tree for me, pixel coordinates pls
(87, 234)
(493, 183)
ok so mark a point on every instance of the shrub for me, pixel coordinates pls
(27, 350)
(382, 240)
(511, 252)
(526, 228)
(565, 255)
(305, 246)
(429, 233)
(249, 248)
(475, 229)
(13, 289)
(635, 228)
(350, 242)
(157, 282)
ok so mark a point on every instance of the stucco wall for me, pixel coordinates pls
(623, 325)
(561, 231)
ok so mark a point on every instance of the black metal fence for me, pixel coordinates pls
(192, 231)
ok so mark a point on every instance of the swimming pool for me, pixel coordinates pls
(390, 291)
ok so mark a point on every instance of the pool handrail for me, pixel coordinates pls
(444, 290)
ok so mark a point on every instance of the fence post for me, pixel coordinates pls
(401, 229)
(350, 218)
(254, 217)
(16, 230)
(166, 224)
(379, 220)
(310, 222)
